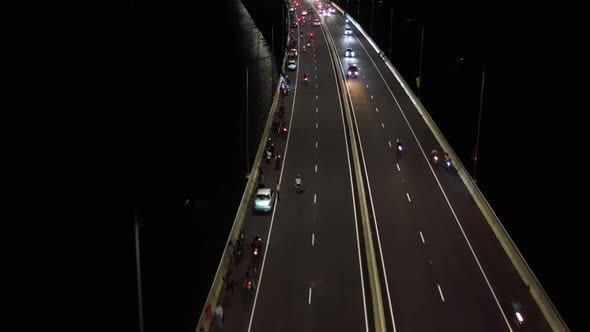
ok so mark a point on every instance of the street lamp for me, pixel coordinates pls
(372, 10)
(483, 77)
(420, 69)
(136, 224)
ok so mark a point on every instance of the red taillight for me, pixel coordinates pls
(249, 283)
(255, 251)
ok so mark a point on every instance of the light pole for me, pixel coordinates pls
(247, 130)
(358, 10)
(420, 69)
(390, 33)
(346, 6)
(136, 224)
(372, 10)
(483, 77)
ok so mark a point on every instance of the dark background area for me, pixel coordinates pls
(80, 155)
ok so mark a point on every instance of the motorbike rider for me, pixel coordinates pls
(434, 154)
(305, 77)
(303, 48)
(298, 181)
(399, 143)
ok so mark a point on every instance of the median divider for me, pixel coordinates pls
(537, 292)
(372, 268)
(205, 319)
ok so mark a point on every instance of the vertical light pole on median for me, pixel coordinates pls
(483, 77)
(420, 69)
(136, 224)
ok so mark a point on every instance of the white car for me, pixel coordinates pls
(332, 10)
(348, 31)
(349, 53)
(304, 12)
(264, 200)
(292, 65)
(317, 22)
(293, 53)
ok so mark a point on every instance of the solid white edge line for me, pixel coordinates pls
(422, 237)
(352, 195)
(272, 219)
(442, 190)
(372, 204)
(440, 291)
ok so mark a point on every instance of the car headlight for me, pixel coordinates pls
(349, 72)
(352, 53)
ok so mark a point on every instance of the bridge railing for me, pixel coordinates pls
(538, 293)
(215, 293)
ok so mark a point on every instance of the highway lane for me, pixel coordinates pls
(311, 278)
(410, 206)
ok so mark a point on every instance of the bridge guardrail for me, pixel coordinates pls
(245, 204)
(538, 293)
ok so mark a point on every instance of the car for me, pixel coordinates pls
(332, 10)
(349, 53)
(304, 12)
(348, 31)
(292, 65)
(353, 71)
(264, 200)
(321, 11)
(317, 22)
(291, 9)
(293, 53)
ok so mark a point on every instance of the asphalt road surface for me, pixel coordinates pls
(441, 268)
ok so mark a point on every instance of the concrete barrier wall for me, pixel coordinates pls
(245, 205)
(538, 293)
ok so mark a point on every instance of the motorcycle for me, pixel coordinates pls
(284, 128)
(448, 163)
(435, 158)
(257, 246)
(268, 156)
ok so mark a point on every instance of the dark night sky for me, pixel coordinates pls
(78, 155)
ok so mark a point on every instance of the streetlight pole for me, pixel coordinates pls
(346, 6)
(390, 33)
(372, 10)
(483, 77)
(358, 10)
(247, 130)
(136, 224)
(420, 69)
